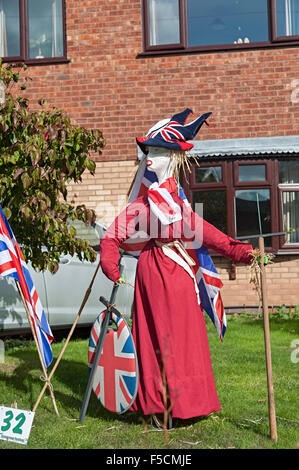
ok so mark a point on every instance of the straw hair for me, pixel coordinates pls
(180, 161)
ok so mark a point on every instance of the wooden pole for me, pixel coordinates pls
(87, 293)
(47, 380)
(271, 404)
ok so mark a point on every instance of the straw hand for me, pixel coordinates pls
(122, 280)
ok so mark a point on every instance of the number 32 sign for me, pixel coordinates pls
(15, 425)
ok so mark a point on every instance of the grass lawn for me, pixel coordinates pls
(240, 374)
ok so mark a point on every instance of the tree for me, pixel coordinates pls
(41, 152)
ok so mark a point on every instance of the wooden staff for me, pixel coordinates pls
(271, 404)
(87, 293)
(47, 379)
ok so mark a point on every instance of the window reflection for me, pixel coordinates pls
(289, 171)
(214, 207)
(227, 22)
(290, 210)
(287, 17)
(211, 174)
(164, 22)
(253, 213)
(252, 173)
(9, 28)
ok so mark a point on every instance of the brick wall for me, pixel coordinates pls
(106, 85)
(282, 283)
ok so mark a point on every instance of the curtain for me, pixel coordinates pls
(57, 28)
(164, 22)
(290, 204)
(3, 36)
(292, 17)
(54, 29)
(153, 23)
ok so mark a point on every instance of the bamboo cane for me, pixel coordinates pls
(47, 379)
(271, 404)
(87, 293)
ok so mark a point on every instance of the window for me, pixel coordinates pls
(164, 19)
(249, 197)
(251, 173)
(9, 28)
(289, 199)
(214, 207)
(229, 22)
(32, 30)
(286, 19)
(190, 25)
(208, 174)
(253, 213)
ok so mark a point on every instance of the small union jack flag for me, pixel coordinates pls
(168, 132)
(116, 377)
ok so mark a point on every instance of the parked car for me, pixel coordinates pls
(61, 294)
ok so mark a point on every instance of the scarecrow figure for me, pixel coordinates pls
(168, 321)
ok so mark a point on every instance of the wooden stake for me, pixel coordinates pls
(87, 293)
(47, 380)
(271, 404)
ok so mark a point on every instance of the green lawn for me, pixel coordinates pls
(240, 374)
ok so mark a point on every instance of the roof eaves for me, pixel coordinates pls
(249, 146)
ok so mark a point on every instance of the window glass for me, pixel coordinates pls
(164, 22)
(214, 207)
(253, 213)
(211, 174)
(227, 22)
(287, 17)
(252, 173)
(288, 171)
(9, 28)
(45, 28)
(290, 210)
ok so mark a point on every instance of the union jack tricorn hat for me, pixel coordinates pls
(173, 133)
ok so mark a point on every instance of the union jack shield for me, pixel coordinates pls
(116, 377)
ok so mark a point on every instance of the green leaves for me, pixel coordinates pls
(40, 153)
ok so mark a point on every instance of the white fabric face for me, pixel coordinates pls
(158, 161)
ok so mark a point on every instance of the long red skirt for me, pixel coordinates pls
(170, 334)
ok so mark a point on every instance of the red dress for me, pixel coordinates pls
(168, 323)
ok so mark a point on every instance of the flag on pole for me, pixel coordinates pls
(209, 282)
(12, 264)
